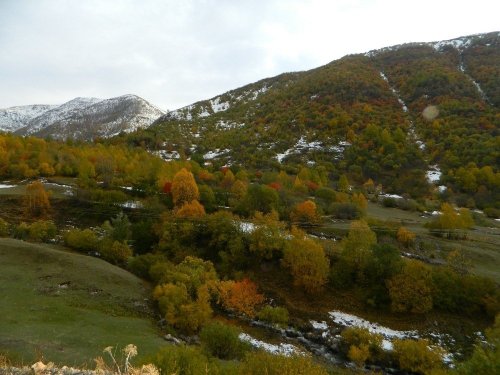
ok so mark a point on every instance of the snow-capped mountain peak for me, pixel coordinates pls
(81, 117)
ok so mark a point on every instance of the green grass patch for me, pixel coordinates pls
(66, 307)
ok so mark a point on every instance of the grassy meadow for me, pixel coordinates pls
(65, 307)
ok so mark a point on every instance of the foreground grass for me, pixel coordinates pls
(66, 307)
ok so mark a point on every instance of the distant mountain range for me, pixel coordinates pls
(81, 118)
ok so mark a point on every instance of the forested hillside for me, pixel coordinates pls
(388, 115)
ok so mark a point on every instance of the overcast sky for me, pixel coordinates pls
(173, 53)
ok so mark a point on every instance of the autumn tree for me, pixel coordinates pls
(451, 220)
(240, 296)
(411, 290)
(184, 292)
(305, 213)
(191, 209)
(405, 236)
(267, 241)
(356, 247)
(184, 188)
(458, 262)
(361, 345)
(306, 261)
(417, 356)
(36, 199)
(343, 184)
(359, 200)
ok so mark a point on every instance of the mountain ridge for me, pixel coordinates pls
(81, 118)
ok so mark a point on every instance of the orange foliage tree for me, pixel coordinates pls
(191, 209)
(305, 213)
(241, 296)
(184, 188)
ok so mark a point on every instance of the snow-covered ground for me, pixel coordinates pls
(5, 186)
(166, 155)
(132, 204)
(246, 227)
(215, 153)
(434, 174)
(349, 320)
(393, 196)
(282, 349)
(303, 145)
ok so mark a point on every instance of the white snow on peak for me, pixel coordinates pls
(82, 116)
(459, 43)
(14, 118)
(218, 106)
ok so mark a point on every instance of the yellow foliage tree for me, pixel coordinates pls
(306, 261)
(360, 200)
(191, 209)
(405, 236)
(356, 247)
(418, 357)
(411, 290)
(184, 188)
(36, 199)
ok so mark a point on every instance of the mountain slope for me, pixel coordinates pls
(85, 118)
(14, 118)
(361, 115)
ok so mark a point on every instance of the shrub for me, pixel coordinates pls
(492, 212)
(361, 345)
(417, 356)
(327, 194)
(345, 211)
(222, 341)
(39, 231)
(115, 252)
(258, 363)
(4, 228)
(42, 231)
(22, 231)
(81, 240)
(274, 315)
(140, 265)
(183, 360)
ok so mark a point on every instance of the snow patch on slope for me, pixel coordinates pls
(303, 145)
(281, 349)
